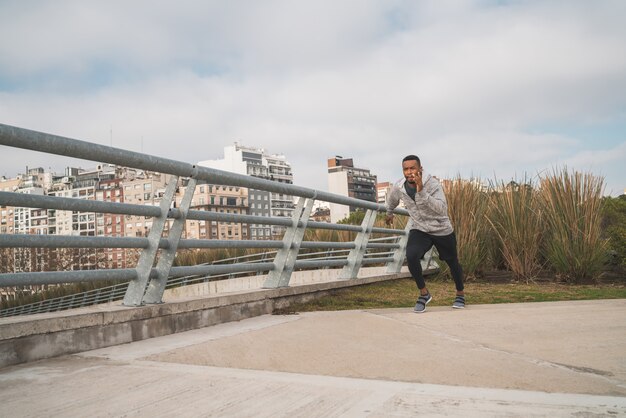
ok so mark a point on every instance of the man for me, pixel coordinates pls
(430, 225)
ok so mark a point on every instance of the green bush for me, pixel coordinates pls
(516, 221)
(571, 206)
(614, 229)
(467, 206)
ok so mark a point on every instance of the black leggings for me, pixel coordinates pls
(420, 242)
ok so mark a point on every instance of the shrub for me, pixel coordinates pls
(614, 228)
(571, 206)
(467, 206)
(516, 222)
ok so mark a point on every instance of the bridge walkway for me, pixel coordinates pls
(534, 359)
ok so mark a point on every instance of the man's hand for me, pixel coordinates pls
(389, 219)
(418, 180)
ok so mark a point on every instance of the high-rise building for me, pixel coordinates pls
(347, 180)
(258, 163)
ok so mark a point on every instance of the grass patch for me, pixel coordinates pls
(403, 293)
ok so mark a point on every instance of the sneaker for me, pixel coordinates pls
(422, 301)
(459, 302)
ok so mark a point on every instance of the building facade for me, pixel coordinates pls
(216, 198)
(258, 163)
(382, 190)
(347, 180)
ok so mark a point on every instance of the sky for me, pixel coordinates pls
(496, 90)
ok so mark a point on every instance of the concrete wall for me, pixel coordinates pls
(338, 184)
(34, 337)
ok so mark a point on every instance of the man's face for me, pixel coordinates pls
(411, 170)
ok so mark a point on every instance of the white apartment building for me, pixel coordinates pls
(258, 163)
(346, 180)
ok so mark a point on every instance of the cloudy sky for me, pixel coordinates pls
(490, 89)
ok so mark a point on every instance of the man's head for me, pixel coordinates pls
(411, 168)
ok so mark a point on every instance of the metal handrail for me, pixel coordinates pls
(116, 292)
(146, 283)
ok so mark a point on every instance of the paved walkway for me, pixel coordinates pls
(536, 359)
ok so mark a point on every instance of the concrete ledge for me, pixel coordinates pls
(35, 337)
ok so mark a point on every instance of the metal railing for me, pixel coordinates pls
(116, 292)
(147, 281)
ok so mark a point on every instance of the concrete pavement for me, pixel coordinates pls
(535, 359)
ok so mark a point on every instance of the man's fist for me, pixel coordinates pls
(389, 219)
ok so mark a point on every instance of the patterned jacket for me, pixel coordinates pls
(429, 210)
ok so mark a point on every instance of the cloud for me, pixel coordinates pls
(462, 84)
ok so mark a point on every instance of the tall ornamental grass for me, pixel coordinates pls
(467, 206)
(516, 221)
(571, 205)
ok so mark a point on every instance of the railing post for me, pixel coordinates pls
(137, 287)
(286, 257)
(398, 255)
(355, 258)
(156, 287)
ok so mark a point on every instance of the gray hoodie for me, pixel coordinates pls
(429, 210)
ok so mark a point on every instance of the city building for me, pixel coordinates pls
(145, 188)
(320, 214)
(7, 219)
(382, 190)
(110, 224)
(216, 198)
(258, 163)
(347, 180)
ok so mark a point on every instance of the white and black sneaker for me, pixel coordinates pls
(459, 302)
(422, 301)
